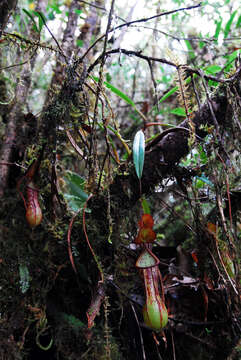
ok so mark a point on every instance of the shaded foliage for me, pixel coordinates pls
(70, 288)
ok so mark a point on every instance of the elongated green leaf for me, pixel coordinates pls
(117, 92)
(139, 152)
(190, 49)
(40, 19)
(29, 15)
(229, 23)
(178, 111)
(169, 93)
(238, 22)
(32, 19)
(230, 59)
(218, 29)
(213, 69)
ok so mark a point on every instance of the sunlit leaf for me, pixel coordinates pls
(77, 11)
(79, 42)
(35, 27)
(169, 93)
(229, 23)
(178, 111)
(213, 69)
(139, 152)
(41, 19)
(238, 22)
(117, 92)
(218, 29)
(190, 49)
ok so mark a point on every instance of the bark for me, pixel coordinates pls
(19, 129)
(68, 46)
(6, 8)
(90, 28)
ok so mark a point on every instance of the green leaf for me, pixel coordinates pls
(55, 7)
(229, 23)
(117, 92)
(218, 29)
(79, 42)
(108, 77)
(74, 202)
(205, 180)
(178, 111)
(169, 93)
(238, 22)
(28, 13)
(51, 15)
(213, 69)
(75, 185)
(190, 49)
(32, 19)
(230, 59)
(41, 19)
(202, 154)
(77, 11)
(139, 152)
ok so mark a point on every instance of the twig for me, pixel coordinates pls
(210, 107)
(140, 333)
(69, 241)
(201, 341)
(129, 53)
(88, 242)
(73, 143)
(173, 212)
(173, 345)
(159, 15)
(174, 36)
(164, 61)
(97, 7)
(137, 21)
(99, 88)
(56, 41)
(13, 164)
(93, 5)
(199, 323)
(219, 255)
(19, 64)
(30, 42)
(195, 92)
(154, 83)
